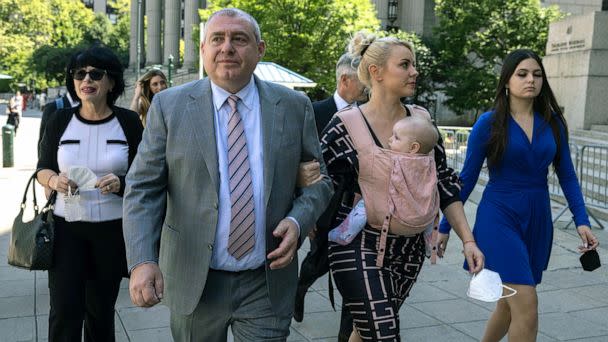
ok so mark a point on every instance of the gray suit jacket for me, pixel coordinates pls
(173, 185)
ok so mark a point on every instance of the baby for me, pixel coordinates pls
(411, 135)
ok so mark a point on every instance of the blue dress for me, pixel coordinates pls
(513, 226)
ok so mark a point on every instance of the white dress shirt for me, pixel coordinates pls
(249, 109)
(340, 102)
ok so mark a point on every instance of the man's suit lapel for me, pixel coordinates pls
(272, 131)
(199, 109)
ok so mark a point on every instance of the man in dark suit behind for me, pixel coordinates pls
(349, 90)
(65, 101)
(50, 108)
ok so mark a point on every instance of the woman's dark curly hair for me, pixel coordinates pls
(101, 57)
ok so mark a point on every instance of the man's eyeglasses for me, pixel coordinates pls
(94, 74)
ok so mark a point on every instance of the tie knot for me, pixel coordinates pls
(232, 100)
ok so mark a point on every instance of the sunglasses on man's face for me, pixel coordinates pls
(94, 74)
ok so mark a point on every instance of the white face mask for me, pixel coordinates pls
(83, 177)
(487, 286)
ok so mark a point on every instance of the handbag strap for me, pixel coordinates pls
(30, 181)
(49, 203)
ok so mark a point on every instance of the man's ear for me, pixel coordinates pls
(344, 79)
(261, 49)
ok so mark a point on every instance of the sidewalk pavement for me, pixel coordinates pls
(573, 304)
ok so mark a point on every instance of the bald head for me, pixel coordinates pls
(413, 134)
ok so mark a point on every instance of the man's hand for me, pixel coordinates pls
(146, 285)
(308, 174)
(283, 255)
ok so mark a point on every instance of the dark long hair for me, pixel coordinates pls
(146, 92)
(545, 104)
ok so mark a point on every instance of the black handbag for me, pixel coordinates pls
(32, 242)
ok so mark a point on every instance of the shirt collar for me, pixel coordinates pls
(340, 102)
(246, 95)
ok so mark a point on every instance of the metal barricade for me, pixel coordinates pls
(455, 140)
(455, 143)
(591, 165)
(593, 176)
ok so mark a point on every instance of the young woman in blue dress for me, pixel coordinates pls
(521, 138)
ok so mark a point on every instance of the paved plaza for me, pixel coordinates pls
(573, 304)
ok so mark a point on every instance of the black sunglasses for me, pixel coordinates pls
(94, 74)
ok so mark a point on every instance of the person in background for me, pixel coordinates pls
(15, 110)
(146, 87)
(65, 101)
(89, 256)
(41, 100)
(520, 138)
(386, 66)
(349, 91)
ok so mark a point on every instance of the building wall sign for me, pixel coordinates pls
(571, 45)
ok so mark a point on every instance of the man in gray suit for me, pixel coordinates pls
(215, 180)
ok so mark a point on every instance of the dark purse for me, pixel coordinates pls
(32, 242)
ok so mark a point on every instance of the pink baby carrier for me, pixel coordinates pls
(399, 189)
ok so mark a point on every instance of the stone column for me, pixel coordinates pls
(191, 19)
(411, 16)
(133, 36)
(381, 11)
(172, 30)
(154, 14)
(430, 20)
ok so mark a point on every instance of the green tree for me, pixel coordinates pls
(307, 36)
(99, 31)
(38, 36)
(472, 39)
(26, 26)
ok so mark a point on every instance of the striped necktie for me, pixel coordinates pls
(242, 222)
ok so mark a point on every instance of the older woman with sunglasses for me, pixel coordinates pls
(89, 259)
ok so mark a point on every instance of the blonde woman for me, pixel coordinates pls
(147, 86)
(386, 66)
